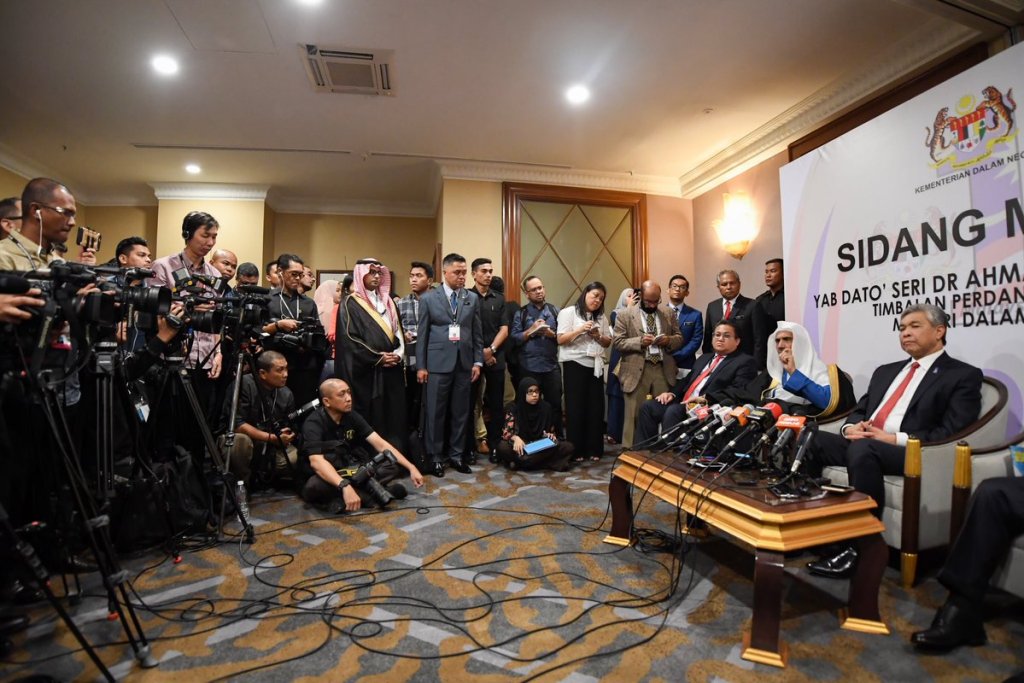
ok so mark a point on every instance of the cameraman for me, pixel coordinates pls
(48, 217)
(289, 310)
(262, 401)
(335, 437)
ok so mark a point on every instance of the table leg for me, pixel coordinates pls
(762, 644)
(862, 612)
(622, 512)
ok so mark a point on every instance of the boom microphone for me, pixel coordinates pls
(789, 426)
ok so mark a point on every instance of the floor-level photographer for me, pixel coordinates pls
(337, 438)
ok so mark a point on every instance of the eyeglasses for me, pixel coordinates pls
(532, 391)
(374, 271)
(68, 214)
(679, 286)
(722, 335)
(11, 218)
(293, 273)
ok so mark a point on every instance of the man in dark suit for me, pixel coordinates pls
(929, 395)
(769, 310)
(727, 367)
(691, 325)
(995, 517)
(731, 306)
(449, 355)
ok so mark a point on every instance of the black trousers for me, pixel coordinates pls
(556, 458)
(551, 387)
(654, 415)
(494, 401)
(995, 516)
(584, 409)
(866, 461)
(317, 491)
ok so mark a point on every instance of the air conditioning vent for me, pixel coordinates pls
(349, 70)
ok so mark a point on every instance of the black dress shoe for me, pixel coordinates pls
(13, 623)
(461, 466)
(436, 469)
(23, 594)
(952, 627)
(839, 566)
(73, 564)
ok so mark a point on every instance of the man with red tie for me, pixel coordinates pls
(731, 306)
(929, 395)
(727, 367)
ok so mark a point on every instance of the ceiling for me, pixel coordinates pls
(685, 92)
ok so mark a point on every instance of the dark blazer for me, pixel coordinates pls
(434, 352)
(947, 400)
(735, 371)
(742, 315)
(691, 326)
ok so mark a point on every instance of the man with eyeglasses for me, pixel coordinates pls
(534, 327)
(690, 324)
(291, 310)
(47, 219)
(10, 216)
(727, 367)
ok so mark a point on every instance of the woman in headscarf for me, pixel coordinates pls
(527, 420)
(616, 405)
(326, 298)
(583, 335)
(369, 348)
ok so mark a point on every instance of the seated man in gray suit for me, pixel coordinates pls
(449, 356)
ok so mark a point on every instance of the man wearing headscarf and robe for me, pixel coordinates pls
(369, 349)
(796, 378)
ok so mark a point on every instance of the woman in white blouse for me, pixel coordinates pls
(583, 335)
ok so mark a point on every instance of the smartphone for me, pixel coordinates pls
(88, 238)
(837, 488)
(637, 293)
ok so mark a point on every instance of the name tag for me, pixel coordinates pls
(453, 333)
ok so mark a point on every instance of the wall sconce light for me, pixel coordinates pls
(738, 228)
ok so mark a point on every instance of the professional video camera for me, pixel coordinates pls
(248, 312)
(364, 479)
(195, 292)
(309, 336)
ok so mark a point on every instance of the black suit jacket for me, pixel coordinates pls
(735, 371)
(947, 400)
(742, 315)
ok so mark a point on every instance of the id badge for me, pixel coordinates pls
(453, 333)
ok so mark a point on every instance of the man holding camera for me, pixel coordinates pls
(262, 402)
(48, 217)
(291, 311)
(337, 438)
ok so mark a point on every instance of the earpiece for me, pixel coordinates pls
(39, 215)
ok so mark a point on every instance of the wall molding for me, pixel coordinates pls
(596, 180)
(254, 193)
(930, 44)
(353, 208)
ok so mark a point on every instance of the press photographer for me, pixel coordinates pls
(296, 330)
(263, 402)
(337, 444)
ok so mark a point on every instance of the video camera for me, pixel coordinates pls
(309, 337)
(248, 312)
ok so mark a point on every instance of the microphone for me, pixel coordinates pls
(759, 419)
(700, 413)
(697, 414)
(719, 413)
(806, 438)
(736, 415)
(789, 426)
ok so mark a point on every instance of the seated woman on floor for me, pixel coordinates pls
(527, 420)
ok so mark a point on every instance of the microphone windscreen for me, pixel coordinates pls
(774, 408)
(14, 284)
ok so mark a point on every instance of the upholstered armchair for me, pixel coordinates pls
(918, 506)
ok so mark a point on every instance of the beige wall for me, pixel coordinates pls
(269, 222)
(762, 184)
(117, 222)
(332, 242)
(241, 225)
(669, 239)
(470, 220)
(11, 184)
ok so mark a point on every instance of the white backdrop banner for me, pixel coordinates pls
(922, 204)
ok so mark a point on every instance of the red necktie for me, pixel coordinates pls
(883, 414)
(703, 376)
(728, 309)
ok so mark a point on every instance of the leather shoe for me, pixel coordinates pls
(73, 564)
(461, 466)
(482, 448)
(24, 594)
(952, 627)
(13, 623)
(839, 566)
(436, 470)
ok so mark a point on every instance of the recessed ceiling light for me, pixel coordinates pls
(577, 94)
(193, 168)
(165, 64)
(311, 3)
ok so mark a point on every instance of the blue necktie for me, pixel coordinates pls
(455, 304)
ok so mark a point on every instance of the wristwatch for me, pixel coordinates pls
(493, 350)
(344, 482)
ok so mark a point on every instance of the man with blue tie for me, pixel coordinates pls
(449, 356)
(690, 325)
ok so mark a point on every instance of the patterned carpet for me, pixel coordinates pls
(492, 576)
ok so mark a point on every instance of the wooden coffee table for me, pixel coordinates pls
(755, 518)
